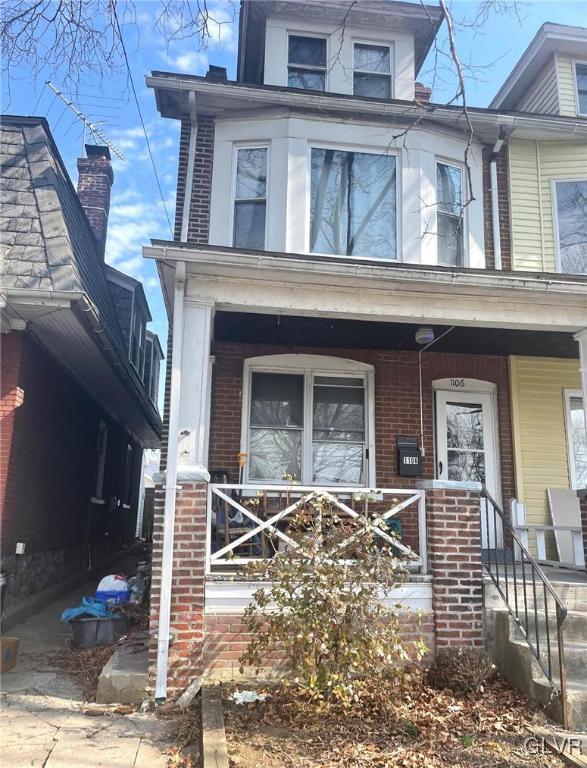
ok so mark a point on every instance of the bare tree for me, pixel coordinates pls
(71, 39)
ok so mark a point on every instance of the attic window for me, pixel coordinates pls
(372, 71)
(306, 63)
(581, 80)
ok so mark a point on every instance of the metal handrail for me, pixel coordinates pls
(536, 575)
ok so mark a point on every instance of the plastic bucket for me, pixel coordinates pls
(113, 597)
(89, 632)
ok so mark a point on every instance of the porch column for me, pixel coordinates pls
(453, 519)
(196, 370)
(581, 338)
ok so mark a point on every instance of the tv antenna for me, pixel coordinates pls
(92, 127)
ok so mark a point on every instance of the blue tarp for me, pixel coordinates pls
(89, 607)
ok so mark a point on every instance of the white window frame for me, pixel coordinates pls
(360, 149)
(101, 450)
(377, 44)
(571, 394)
(441, 160)
(576, 84)
(311, 366)
(555, 227)
(233, 198)
(318, 36)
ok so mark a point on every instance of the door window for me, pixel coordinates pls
(465, 442)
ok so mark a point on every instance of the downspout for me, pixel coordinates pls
(163, 636)
(495, 198)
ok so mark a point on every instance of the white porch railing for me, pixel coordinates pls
(247, 522)
(568, 539)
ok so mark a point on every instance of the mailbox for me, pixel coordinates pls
(409, 459)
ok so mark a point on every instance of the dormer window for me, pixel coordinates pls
(137, 340)
(372, 71)
(306, 63)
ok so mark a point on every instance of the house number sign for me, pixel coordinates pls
(458, 383)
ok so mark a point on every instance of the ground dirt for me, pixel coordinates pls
(400, 725)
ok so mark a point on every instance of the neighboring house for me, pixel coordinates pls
(79, 370)
(548, 204)
(348, 311)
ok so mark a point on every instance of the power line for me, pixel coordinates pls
(132, 84)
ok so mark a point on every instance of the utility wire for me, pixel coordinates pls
(141, 116)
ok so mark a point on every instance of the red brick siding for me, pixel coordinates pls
(199, 215)
(583, 503)
(227, 638)
(187, 595)
(504, 210)
(396, 407)
(93, 189)
(49, 458)
(454, 557)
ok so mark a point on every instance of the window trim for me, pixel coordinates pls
(311, 366)
(325, 69)
(569, 394)
(576, 86)
(101, 450)
(555, 228)
(341, 147)
(442, 160)
(376, 44)
(238, 145)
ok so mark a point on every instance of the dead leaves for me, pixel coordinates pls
(395, 724)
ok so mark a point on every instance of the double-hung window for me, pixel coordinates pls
(577, 439)
(449, 212)
(372, 70)
(353, 201)
(571, 218)
(307, 427)
(306, 62)
(250, 198)
(137, 340)
(581, 82)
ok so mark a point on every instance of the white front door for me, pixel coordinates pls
(466, 446)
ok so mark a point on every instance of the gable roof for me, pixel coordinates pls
(550, 39)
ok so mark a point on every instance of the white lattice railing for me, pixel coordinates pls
(249, 522)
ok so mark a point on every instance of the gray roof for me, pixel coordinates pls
(46, 242)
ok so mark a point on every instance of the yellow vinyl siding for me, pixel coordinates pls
(538, 407)
(533, 166)
(542, 96)
(567, 94)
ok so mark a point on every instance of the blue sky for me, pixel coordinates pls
(136, 213)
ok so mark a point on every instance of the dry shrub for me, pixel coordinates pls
(461, 669)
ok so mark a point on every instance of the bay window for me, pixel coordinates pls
(306, 426)
(372, 71)
(353, 204)
(571, 218)
(449, 212)
(250, 198)
(577, 439)
(306, 63)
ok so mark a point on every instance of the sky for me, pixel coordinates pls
(137, 212)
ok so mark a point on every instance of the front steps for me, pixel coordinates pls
(506, 644)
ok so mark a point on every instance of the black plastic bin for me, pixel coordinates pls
(89, 632)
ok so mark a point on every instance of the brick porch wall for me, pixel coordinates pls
(227, 639)
(582, 494)
(396, 407)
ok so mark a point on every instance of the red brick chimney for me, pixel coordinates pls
(423, 94)
(93, 189)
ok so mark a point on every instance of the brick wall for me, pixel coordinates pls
(454, 558)
(396, 407)
(582, 494)
(93, 189)
(199, 216)
(504, 209)
(47, 470)
(227, 638)
(187, 595)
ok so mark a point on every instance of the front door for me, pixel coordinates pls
(466, 445)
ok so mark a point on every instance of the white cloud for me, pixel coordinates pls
(191, 62)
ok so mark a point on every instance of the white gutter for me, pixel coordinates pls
(495, 215)
(163, 635)
(189, 179)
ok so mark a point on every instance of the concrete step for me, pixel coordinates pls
(573, 595)
(574, 627)
(575, 657)
(124, 678)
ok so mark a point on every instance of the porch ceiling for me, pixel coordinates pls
(299, 331)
